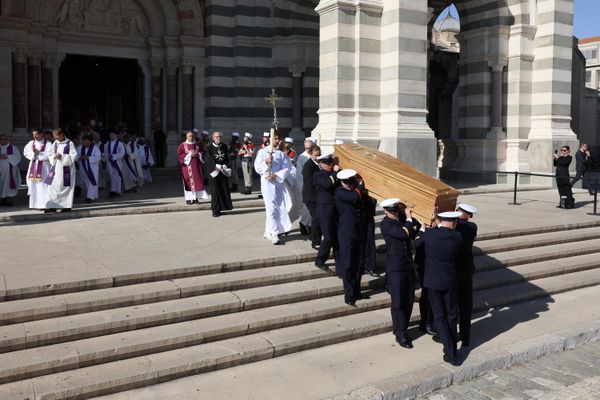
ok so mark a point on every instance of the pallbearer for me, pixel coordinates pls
(114, 153)
(465, 268)
(37, 171)
(62, 155)
(325, 184)
(397, 230)
(10, 178)
(191, 155)
(309, 195)
(89, 161)
(247, 153)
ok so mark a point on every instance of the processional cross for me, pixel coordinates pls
(272, 99)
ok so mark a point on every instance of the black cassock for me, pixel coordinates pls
(219, 186)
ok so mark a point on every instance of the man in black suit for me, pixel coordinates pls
(582, 161)
(397, 230)
(309, 194)
(465, 267)
(442, 245)
(325, 184)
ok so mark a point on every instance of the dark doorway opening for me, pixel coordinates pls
(107, 90)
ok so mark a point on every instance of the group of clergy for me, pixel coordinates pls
(60, 167)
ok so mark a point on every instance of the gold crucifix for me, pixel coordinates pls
(273, 99)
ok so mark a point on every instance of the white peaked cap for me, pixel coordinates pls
(468, 208)
(312, 139)
(325, 157)
(289, 140)
(205, 133)
(248, 135)
(195, 130)
(266, 134)
(339, 141)
(235, 134)
(346, 174)
(449, 215)
(390, 203)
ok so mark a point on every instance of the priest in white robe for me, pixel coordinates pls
(89, 162)
(146, 159)
(10, 178)
(131, 178)
(61, 179)
(114, 153)
(274, 168)
(39, 166)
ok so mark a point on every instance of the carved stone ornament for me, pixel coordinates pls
(120, 17)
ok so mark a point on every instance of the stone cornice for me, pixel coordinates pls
(326, 6)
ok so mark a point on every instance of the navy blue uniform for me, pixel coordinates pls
(442, 246)
(349, 204)
(309, 197)
(367, 223)
(400, 274)
(325, 185)
(465, 267)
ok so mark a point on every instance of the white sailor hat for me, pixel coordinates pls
(339, 141)
(346, 174)
(390, 203)
(235, 134)
(312, 139)
(266, 134)
(325, 158)
(289, 140)
(450, 215)
(194, 130)
(248, 135)
(467, 208)
(205, 133)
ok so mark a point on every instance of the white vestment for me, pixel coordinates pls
(131, 167)
(60, 193)
(10, 178)
(37, 171)
(303, 212)
(89, 169)
(278, 201)
(114, 151)
(101, 167)
(146, 161)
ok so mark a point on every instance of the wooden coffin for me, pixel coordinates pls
(386, 176)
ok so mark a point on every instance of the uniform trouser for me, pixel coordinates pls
(315, 228)
(424, 307)
(402, 290)
(444, 306)
(465, 308)
(329, 241)
(247, 172)
(347, 266)
(369, 249)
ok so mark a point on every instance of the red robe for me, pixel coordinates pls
(191, 174)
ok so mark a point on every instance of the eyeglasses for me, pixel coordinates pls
(564, 150)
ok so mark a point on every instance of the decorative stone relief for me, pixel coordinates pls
(110, 16)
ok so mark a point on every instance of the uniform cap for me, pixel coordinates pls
(467, 208)
(450, 215)
(266, 134)
(205, 133)
(390, 203)
(339, 141)
(346, 174)
(235, 134)
(195, 130)
(248, 135)
(289, 140)
(326, 158)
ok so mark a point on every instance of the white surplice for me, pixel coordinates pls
(59, 194)
(132, 175)
(92, 167)
(277, 198)
(35, 184)
(10, 178)
(114, 151)
(146, 161)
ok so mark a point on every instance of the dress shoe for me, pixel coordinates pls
(217, 214)
(65, 210)
(428, 329)
(321, 266)
(196, 201)
(450, 360)
(350, 302)
(374, 274)
(362, 296)
(189, 202)
(315, 246)
(437, 339)
(404, 342)
(88, 200)
(50, 211)
(303, 230)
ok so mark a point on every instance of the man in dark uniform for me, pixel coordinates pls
(348, 202)
(398, 232)
(367, 230)
(442, 245)
(309, 194)
(325, 185)
(217, 164)
(465, 267)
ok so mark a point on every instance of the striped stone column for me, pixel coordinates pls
(404, 130)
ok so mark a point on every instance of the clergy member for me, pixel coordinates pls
(60, 181)
(36, 152)
(191, 158)
(102, 165)
(10, 178)
(131, 177)
(274, 166)
(217, 165)
(115, 151)
(89, 162)
(146, 159)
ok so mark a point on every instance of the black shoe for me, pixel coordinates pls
(374, 274)
(248, 190)
(350, 302)
(437, 339)
(404, 342)
(303, 230)
(450, 360)
(321, 266)
(260, 196)
(112, 194)
(50, 211)
(65, 210)
(362, 296)
(218, 214)
(188, 202)
(88, 200)
(196, 201)
(315, 246)
(428, 329)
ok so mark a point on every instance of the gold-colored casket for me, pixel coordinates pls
(386, 176)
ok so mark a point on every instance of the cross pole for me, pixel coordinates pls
(272, 99)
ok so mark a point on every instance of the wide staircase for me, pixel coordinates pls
(76, 342)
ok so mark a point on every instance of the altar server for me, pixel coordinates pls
(60, 181)
(89, 162)
(115, 151)
(10, 178)
(36, 152)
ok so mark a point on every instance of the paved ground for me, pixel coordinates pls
(570, 375)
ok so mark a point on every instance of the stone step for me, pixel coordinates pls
(112, 377)
(37, 308)
(74, 327)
